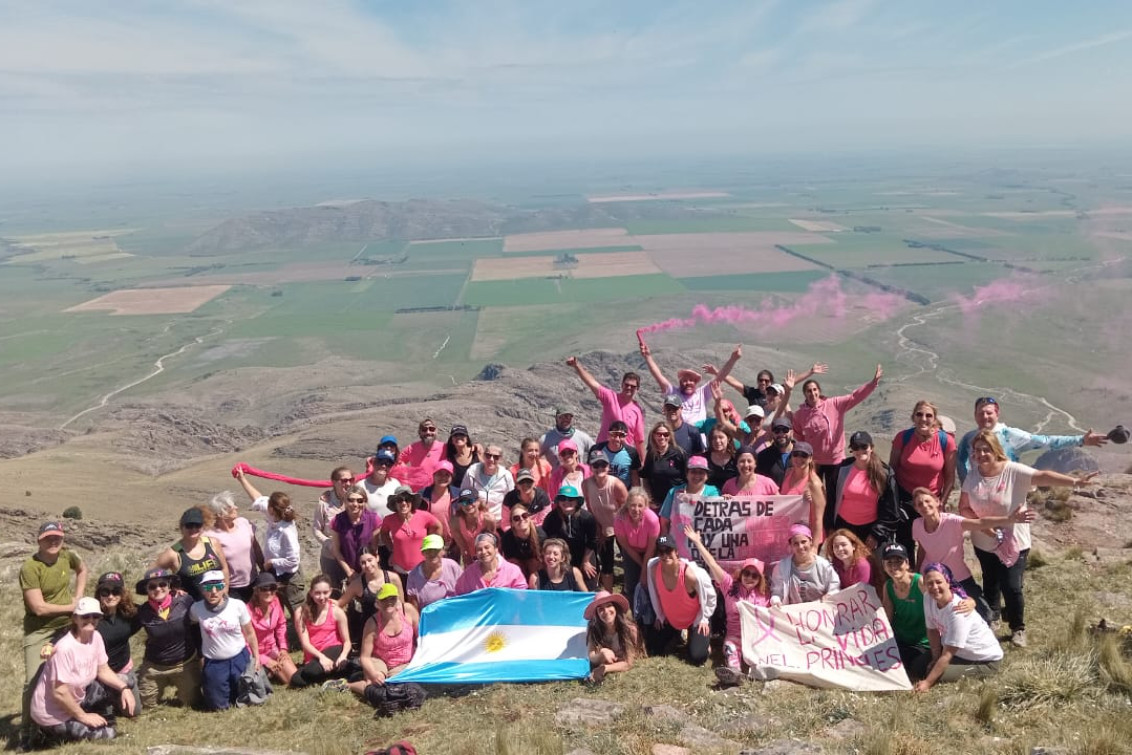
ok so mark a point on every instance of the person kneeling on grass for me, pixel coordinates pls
(77, 679)
(804, 575)
(325, 635)
(963, 645)
(682, 598)
(749, 584)
(611, 635)
(226, 635)
(387, 647)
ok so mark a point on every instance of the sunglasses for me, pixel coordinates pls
(192, 526)
(617, 434)
(981, 402)
(924, 415)
(345, 480)
(428, 429)
(492, 456)
(467, 501)
(858, 448)
(92, 619)
(630, 386)
(106, 592)
(662, 435)
(520, 517)
(212, 588)
(781, 430)
(356, 500)
(525, 482)
(162, 585)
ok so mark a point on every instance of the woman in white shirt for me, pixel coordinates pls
(963, 645)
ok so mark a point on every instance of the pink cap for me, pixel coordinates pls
(444, 466)
(800, 529)
(567, 445)
(753, 563)
(698, 462)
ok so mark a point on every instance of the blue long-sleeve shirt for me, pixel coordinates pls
(1014, 442)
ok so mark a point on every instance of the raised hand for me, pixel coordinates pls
(1093, 439)
(710, 369)
(645, 349)
(877, 376)
(788, 381)
(692, 535)
(737, 352)
(819, 368)
(716, 391)
(572, 361)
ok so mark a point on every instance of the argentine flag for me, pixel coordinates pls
(501, 635)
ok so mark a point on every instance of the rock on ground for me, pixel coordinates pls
(588, 712)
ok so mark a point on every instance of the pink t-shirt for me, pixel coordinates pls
(731, 605)
(506, 575)
(441, 507)
(418, 462)
(638, 536)
(398, 649)
(945, 544)
(823, 426)
(558, 478)
(612, 409)
(321, 636)
(407, 537)
(73, 663)
(858, 499)
(680, 608)
(921, 463)
(861, 572)
(761, 485)
(237, 546)
(270, 629)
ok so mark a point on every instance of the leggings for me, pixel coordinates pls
(1000, 579)
(661, 639)
(312, 671)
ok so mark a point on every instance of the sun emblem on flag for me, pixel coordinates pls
(495, 642)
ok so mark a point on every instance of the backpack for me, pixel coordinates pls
(388, 699)
(907, 436)
(400, 748)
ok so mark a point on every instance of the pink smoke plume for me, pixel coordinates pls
(1005, 291)
(824, 298)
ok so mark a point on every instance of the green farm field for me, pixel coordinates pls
(568, 290)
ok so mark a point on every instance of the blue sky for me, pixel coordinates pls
(197, 82)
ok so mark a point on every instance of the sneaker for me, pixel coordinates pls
(1018, 639)
(728, 677)
(335, 685)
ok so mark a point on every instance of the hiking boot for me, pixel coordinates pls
(728, 677)
(1018, 639)
(335, 685)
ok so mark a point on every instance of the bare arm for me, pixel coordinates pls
(725, 370)
(654, 370)
(817, 507)
(950, 464)
(246, 484)
(584, 374)
(713, 566)
(721, 417)
(339, 617)
(1045, 478)
(33, 598)
(965, 509)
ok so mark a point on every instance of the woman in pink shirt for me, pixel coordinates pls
(851, 559)
(864, 495)
(324, 634)
(470, 519)
(820, 421)
(924, 456)
(801, 478)
(438, 498)
(270, 626)
(404, 531)
(388, 642)
(530, 458)
(571, 470)
(636, 528)
(489, 569)
(940, 536)
(748, 482)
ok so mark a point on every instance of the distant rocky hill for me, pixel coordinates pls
(370, 220)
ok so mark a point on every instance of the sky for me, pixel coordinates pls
(139, 85)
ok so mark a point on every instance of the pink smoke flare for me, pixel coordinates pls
(1005, 291)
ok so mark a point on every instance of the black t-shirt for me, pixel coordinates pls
(579, 532)
(116, 632)
(719, 474)
(662, 473)
(539, 502)
(519, 549)
(172, 640)
(769, 463)
(755, 396)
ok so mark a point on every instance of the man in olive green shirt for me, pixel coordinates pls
(45, 580)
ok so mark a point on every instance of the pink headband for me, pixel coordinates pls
(800, 529)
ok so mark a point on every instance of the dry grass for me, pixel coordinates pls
(1068, 690)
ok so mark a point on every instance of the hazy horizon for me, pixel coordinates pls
(138, 89)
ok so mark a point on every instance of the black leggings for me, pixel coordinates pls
(1000, 579)
(660, 640)
(312, 672)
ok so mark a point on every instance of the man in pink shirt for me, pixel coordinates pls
(419, 460)
(617, 406)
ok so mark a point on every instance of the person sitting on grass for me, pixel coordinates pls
(963, 645)
(557, 572)
(637, 527)
(682, 599)
(851, 559)
(611, 635)
(388, 641)
(324, 634)
(434, 578)
(226, 637)
(270, 626)
(76, 679)
(359, 600)
(470, 519)
(747, 583)
(489, 569)
(803, 575)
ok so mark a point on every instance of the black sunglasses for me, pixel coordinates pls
(106, 592)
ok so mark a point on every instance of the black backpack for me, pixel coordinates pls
(388, 699)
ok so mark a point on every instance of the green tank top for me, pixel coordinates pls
(908, 622)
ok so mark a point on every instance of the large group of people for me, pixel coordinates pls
(224, 608)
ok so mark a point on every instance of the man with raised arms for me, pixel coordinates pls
(695, 398)
(617, 407)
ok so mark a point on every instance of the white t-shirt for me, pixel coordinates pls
(221, 632)
(1000, 496)
(970, 634)
(379, 495)
(694, 407)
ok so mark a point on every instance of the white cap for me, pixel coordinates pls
(212, 576)
(754, 410)
(947, 424)
(778, 388)
(87, 607)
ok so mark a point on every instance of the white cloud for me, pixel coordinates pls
(1087, 44)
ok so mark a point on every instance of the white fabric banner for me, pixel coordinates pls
(843, 641)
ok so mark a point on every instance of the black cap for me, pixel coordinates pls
(782, 421)
(265, 579)
(467, 494)
(673, 400)
(598, 457)
(860, 438)
(459, 430)
(665, 543)
(893, 550)
(192, 516)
